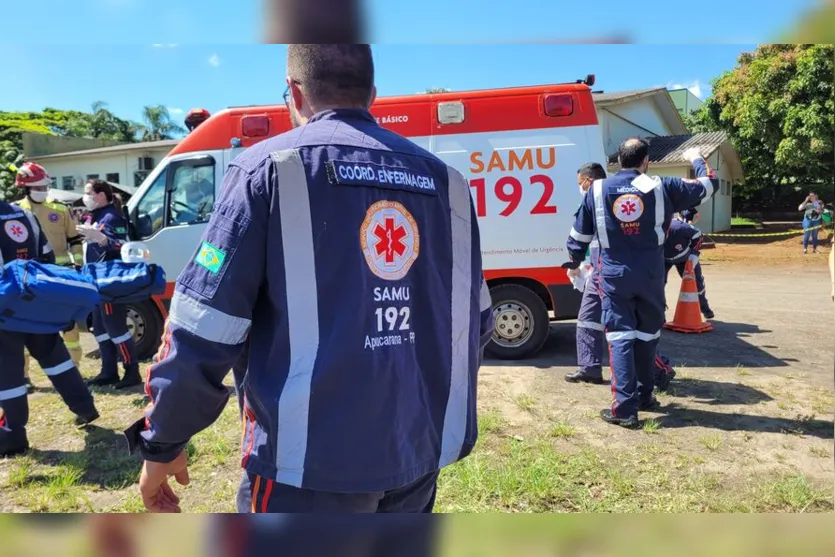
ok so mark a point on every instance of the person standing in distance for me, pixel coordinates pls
(21, 237)
(684, 241)
(59, 226)
(630, 215)
(589, 332)
(348, 259)
(103, 242)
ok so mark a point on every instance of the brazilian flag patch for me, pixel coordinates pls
(210, 257)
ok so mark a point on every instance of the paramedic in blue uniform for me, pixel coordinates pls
(21, 237)
(684, 241)
(349, 259)
(589, 325)
(103, 242)
(630, 215)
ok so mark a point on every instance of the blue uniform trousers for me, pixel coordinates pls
(115, 340)
(700, 281)
(301, 535)
(49, 351)
(633, 314)
(260, 495)
(590, 330)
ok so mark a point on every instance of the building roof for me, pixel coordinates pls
(145, 146)
(668, 149)
(616, 97)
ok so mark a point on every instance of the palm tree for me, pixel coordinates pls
(158, 124)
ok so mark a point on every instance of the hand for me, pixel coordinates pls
(93, 233)
(157, 495)
(692, 154)
(572, 273)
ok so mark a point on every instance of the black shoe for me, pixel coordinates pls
(580, 377)
(130, 380)
(87, 419)
(650, 404)
(708, 314)
(103, 380)
(609, 417)
(8, 449)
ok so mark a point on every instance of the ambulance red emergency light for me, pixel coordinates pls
(519, 147)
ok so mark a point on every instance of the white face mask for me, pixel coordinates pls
(38, 196)
(89, 202)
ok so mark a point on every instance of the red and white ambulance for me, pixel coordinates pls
(519, 147)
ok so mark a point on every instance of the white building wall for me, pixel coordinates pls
(716, 213)
(79, 167)
(635, 118)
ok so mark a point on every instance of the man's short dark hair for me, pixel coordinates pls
(593, 171)
(333, 74)
(632, 152)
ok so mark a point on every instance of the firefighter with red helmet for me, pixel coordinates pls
(22, 237)
(195, 117)
(58, 225)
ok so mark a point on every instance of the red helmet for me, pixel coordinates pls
(195, 117)
(31, 174)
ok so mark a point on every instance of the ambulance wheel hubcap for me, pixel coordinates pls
(514, 324)
(136, 325)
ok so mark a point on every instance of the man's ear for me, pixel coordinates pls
(297, 96)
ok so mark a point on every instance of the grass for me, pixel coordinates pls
(525, 402)
(563, 430)
(553, 465)
(742, 372)
(651, 425)
(711, 442)
(743, 221)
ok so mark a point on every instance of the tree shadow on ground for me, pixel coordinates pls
(727, 346)
(714, 392)
(104, 461)
(676, 416)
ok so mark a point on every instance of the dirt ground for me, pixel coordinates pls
(756, 393)
(746, 426)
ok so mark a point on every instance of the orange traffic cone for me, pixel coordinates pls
(688, 317)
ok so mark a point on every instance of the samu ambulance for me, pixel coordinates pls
(520, 149)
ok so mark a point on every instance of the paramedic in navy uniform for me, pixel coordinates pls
(350, 259)
(103, 242)
(589, 331)
(630, 214)
(22, 238)
(684, 242)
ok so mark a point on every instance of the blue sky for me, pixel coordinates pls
(181, 77)
(88, 50)
(405, 21)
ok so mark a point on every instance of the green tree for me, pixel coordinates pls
(778, 108)
(438, 90)
(10, 158)
(158, 124)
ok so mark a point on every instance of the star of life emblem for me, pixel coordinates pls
(16, 231)
(628, 208)
(390, 240)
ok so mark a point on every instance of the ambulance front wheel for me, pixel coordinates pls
(145, 324)
(521, 322)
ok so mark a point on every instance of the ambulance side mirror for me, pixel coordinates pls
(136, 252)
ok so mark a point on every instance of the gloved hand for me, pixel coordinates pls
(692, 154)
(92, 233)
(573, 273)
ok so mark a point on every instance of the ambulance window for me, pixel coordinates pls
(192, 194)
(150, 210)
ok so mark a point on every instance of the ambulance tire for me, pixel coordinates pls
(523, 310)
(146, 324)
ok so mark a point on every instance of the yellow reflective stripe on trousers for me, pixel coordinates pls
(62, 260)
